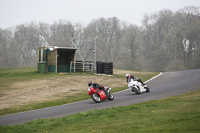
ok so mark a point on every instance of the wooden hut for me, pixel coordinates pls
(57, 59)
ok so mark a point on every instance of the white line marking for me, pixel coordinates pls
(153, 77)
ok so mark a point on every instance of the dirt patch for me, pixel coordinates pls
(40, 90)
(123, 72)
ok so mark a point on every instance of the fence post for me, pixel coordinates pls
(84, 66)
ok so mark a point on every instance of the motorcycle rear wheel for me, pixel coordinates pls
(134, 89)
(96, 98)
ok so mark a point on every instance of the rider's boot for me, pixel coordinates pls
(143, 84)
(108, 91)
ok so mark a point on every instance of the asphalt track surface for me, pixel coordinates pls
(165, 85)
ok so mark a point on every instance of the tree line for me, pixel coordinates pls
(166, 41)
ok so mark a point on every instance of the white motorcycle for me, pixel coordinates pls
(137, 87)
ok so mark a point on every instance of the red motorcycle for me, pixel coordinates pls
(99, 95)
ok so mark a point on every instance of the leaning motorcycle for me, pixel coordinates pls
(137, 87)
(99, 95)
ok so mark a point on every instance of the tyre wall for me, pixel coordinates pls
(104, 68)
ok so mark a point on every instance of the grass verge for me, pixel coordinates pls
(175, 114)
(61, 101)
(27, 79)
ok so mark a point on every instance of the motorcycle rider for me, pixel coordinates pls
(128, 76)
(90, 83)
(100, 87)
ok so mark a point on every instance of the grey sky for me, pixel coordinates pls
(15, 12)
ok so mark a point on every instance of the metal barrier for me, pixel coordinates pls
(86, 66)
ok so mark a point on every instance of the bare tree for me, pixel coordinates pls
(62, 33)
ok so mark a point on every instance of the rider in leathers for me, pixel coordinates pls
(100, 87)
(128, 76)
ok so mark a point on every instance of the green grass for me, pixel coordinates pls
(176, 114)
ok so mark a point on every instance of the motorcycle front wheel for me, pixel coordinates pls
(96, 98)
(111, 97)
(147, 89)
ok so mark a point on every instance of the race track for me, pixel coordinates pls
(166, 85)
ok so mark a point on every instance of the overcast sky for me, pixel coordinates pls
(16, 12)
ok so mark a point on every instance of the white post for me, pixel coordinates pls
(95, 54)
